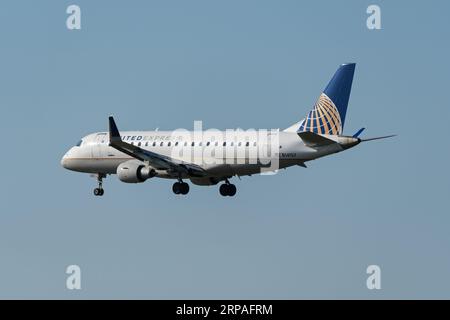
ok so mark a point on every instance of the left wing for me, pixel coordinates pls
(156, 160)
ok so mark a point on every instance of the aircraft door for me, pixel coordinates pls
(98, 149)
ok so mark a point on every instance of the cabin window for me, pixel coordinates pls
(193, 143)
(139, 144)
(247, 144)
(169, 144)
(207, 144)
(200, 143)
(146, 144)
(176, 143)
(232, 143)
(162, 143)
(224, 144)
(154, 143)
(79, 143)
(217, 143)
(239, 144)
(185, 143)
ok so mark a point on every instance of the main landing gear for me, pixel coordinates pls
(227, 189)
(99, 191)
(180, 187)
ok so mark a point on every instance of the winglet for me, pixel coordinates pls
(356, 135)
(114, 134)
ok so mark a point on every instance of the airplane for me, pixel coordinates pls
(137, 156)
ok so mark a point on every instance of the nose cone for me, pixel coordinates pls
(64, 161)
(71, 160)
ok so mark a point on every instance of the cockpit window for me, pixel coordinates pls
(79, 143)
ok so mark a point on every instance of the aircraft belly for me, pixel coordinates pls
(219, 170)
(284, 163)
(246, 169)
(106, 166)
(229, 170)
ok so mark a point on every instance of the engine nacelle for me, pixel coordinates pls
(134, 171)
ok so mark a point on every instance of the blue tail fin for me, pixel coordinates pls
(328, 114)
(338, 90)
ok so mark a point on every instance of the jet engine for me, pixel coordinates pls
(134, 172)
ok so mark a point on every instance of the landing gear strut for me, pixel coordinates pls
(99, 191)
(227, 189)
(180, 187)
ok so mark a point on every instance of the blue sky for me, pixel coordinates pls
(303, 233)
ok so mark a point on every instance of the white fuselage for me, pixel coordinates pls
(237, 153)
(210, 156)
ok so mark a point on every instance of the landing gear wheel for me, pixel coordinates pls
(180, 188)
(223, 190)
(231, 190)
(98, 192)
(184, 188)
(227, 189)
(176, 188)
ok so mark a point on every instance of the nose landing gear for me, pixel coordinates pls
(99, 191)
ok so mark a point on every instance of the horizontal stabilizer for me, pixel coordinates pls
(356, 135)
(312, 139)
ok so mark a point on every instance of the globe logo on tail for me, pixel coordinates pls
(324, 118)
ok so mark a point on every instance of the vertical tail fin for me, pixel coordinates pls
(328, 114)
